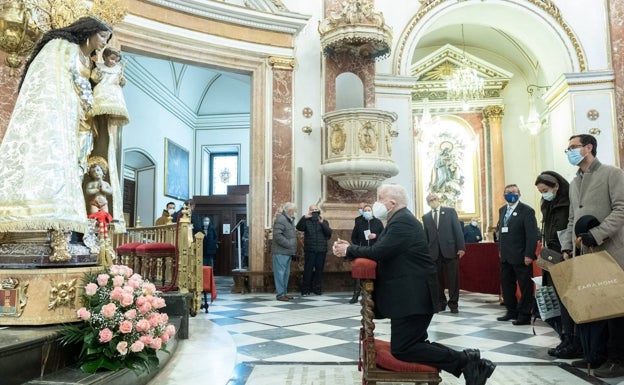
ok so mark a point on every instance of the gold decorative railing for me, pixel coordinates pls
(181, 269)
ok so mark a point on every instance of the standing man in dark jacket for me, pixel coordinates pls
(283, 248)
(406, 289)
(316, 233)
(210, 242)
(517, 242)
(445, 239)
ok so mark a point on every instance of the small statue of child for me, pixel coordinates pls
(97, 190)
(108, 97)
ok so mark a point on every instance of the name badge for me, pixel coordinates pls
(504, 229)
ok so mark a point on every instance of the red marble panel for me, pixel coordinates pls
(616, 24)
(282, 138)
(341, 63)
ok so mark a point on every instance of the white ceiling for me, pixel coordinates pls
(204, 91)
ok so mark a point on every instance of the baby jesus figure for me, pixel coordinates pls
(97, 190)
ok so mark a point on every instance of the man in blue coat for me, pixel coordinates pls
(517, 242)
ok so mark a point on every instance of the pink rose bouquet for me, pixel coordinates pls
(121, 324)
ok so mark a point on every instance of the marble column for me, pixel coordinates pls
(494, 116)
(282, 138)
(616, 26)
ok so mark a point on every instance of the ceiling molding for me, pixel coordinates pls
(156, 90)
(283, 21)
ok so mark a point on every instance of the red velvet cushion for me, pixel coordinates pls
(363, 268)
(128, 248)
(158, 248)
(386, 360)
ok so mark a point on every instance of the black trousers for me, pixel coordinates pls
(408, 342)
(313, 266)
(448, 272)
(509, 275)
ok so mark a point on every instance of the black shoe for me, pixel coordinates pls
(354, 299)
(441, 307)
(610, 369)
(454, 310)
(477, 372)
(522, 321)
(571, 350)
(565, 340)
(507, 317)
(305, 294)
(318, 293)
(472, 354)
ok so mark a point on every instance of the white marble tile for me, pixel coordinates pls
(473, 342)
(314, 327)
(244, 339)
(307, 356)
(311, 341)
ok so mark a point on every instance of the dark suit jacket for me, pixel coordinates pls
(448, 238)
(520, 240)
(407, 282)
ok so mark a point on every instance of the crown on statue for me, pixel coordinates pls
(110, 11)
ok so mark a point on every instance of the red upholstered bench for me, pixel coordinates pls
(158, 264)
(377, 363)
(126, 255)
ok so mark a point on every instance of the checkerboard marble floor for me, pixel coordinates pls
(253, 339)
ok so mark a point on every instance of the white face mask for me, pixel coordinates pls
(171, 211)
(380, 211)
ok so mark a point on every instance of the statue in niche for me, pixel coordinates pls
(447, 180)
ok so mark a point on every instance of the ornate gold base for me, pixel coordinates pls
(41, 296)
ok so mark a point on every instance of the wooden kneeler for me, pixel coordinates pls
(376, 362)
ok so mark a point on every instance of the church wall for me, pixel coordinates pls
(149, 125)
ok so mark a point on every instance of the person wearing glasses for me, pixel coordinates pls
(598, 190)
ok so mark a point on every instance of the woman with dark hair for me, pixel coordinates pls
(44, 154)
(555, 210)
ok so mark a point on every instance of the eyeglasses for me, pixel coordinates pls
(573, 147)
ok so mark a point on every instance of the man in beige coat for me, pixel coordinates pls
(597, 190)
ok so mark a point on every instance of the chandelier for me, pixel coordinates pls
(533, 122)
(22, 22)
(465, 83)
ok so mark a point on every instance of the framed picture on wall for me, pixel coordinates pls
(176, 171)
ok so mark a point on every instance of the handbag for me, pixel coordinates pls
(547, 302)
(548, 257)
(590, 286)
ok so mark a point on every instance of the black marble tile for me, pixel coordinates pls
(267, 349)
(276, 333)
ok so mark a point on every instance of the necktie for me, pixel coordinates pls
(435, 217)
(507, 214)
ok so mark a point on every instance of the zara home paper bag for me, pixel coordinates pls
(591, 286)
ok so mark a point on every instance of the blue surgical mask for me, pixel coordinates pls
(575, 157)
(511, 197)
(367, 215)
(361, 212)
(474, 223)
(548, 196)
